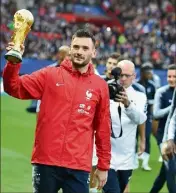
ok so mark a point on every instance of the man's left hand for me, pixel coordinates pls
(169, 150)
(123, 98)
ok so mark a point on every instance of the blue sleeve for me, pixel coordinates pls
(152, 94)
(158, 111)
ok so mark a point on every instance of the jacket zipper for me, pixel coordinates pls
(63, 146)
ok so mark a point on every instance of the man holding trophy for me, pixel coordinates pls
(74, 107)
(23, 20)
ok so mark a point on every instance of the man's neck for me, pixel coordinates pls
(108, 75)
(126, 88)
(83, 69)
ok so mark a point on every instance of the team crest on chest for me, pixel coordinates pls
(89, 94)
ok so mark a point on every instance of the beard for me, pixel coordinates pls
(80, 62)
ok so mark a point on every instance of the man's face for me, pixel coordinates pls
(111, 64)
(82, 51)
(127, 76)
(171, 78)
(148, 75)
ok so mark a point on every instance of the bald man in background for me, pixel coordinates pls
(124, 127)
(63, 52)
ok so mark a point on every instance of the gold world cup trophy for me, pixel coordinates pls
(23, 20)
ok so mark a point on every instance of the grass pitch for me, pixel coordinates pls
(17, 135)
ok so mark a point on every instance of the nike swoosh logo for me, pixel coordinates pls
(59, 84)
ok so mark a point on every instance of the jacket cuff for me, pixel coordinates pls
(130, 107)
(103, 165)
(102, 169)
(13, 65)
(12, 69)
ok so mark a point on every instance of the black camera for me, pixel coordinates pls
(114, 87)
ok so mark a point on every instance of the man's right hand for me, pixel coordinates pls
(169, 150)
(101, 176)
(11, 46)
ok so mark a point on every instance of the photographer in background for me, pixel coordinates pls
(111, 63)
(127, 110)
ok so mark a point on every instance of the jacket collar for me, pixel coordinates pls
(67, 65)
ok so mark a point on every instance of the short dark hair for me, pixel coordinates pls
(147, 66)
(115, 55)
(172, 67)
(121, 57)
(84, 33)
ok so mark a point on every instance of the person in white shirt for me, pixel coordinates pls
(124, 127)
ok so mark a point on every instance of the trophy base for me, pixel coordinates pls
(13, 56)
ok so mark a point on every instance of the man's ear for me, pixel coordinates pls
(94, 54)
(134, 76)
(69, 52)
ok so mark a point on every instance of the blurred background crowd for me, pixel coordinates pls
(140, 30)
